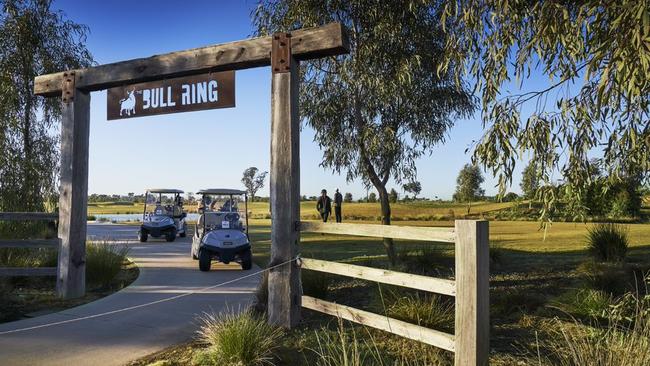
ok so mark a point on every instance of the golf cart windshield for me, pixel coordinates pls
(223, 211)
(221, 203)
(163, 204)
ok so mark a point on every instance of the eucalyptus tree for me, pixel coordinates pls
(596, 55)
(34, 39)
(253, 180)
(468, 185)
(380, 108)
(414, 187)
(530, 178)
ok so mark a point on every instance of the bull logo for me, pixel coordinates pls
(128, 104)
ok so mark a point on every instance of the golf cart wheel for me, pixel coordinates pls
(205, 260)
(143, 236)
(247, 260)
(171, 235)
(184, 233)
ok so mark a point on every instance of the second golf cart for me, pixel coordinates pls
(222, 230)
(165, 216)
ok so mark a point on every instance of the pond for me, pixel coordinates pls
(191, 217)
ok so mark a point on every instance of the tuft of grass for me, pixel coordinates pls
(103, 262)
(237, 338)
(28, 257)
(585, 303)
(615, 345)
(608, 242)
(344, 348)
(430, 311)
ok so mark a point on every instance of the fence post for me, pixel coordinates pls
(472, 338)
(75, 130)
(284, 300)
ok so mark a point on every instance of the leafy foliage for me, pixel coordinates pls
(253, 180)
(347, 197)
(596, 55)
(372, 197)
(34, 40)
(392, 196)
(378, 109)
(413, 187)
(530, 178)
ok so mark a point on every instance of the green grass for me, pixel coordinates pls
(237, 338)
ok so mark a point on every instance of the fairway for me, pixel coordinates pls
(520, 236)
(420, 210)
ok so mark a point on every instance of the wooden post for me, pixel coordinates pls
(75, 129)
(284, 282)
(472, 293)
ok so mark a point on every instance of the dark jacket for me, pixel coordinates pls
(324, 204)
(338, 199)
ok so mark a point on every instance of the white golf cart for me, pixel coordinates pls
(222, 229)
(163, 215)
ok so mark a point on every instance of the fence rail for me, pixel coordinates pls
(25, 271)
(28, 216)
(441, 234)
(404, 329)
(29, 243)
(470, 343)
(417, 282)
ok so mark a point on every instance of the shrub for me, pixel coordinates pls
(237, 338)
(429, 311)
(103, 262)
(607, 242)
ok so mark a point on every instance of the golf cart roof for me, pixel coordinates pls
(224, 191)
(164, 190)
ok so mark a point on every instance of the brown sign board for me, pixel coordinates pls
(183, 94)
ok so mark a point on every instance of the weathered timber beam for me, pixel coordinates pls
(28, 216)
(309, 43)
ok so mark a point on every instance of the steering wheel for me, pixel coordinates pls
(232, 216)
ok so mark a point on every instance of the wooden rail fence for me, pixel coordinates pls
(29, 243)
(470, 343)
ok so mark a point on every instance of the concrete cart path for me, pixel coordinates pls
(166, 270)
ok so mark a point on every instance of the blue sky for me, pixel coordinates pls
(188, 150)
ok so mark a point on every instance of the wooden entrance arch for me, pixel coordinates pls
(283, 51)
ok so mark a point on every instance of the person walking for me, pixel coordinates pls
(338, 201)
(324, 205)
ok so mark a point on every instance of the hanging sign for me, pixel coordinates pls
(183, 94)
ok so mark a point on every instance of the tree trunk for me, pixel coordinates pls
(389, 245)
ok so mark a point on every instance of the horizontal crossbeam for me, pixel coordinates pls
(411, 331)
(438, 234)
(306, 44)
(417, 282)
(27, 272)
